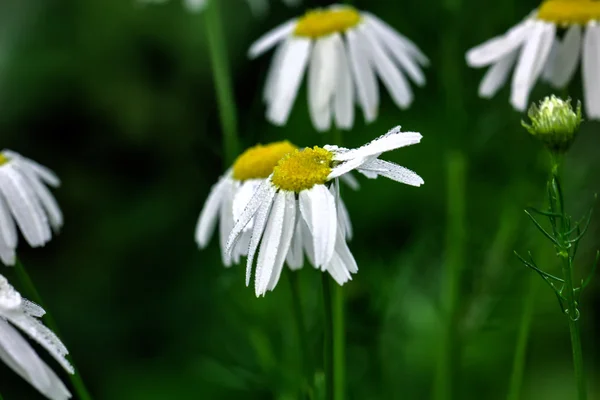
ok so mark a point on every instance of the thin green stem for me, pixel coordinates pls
(300, 326)
(328, 364)
(455, 258)
(519, 360)
(339, 343)
(34, 296)
(222, 78)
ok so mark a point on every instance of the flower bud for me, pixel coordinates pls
(554, 122)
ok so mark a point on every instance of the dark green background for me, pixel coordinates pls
(118, 100)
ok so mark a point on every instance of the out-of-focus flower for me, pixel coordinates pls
(536, 50)
(298, 209)
(15, 352)
(26, 202)
(344, 50)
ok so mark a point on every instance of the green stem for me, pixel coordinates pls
(518, 368)
(328, 364)
(339, 342)
(34, 296)
(455, 243)
(222, 78)
(300, 326)
(572, 309)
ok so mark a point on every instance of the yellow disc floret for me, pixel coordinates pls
(302, 169)
(258, 162)
(569, 12)
(322, 22)
(3, 159)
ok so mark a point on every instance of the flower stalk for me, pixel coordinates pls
(34, 295)
(223, 85)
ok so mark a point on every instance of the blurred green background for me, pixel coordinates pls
(118, 99)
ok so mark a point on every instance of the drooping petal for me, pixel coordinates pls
(295, 259)
(393, 171)
(351, 181)
(393, 139)
(394, 39)
(271, 38)
(393, 80)
(293, 65)
(317, 207)
(345, 255)
(289, 227)
(270, 245)
(364, 75)
(498, 47)
(321, 82)
(496, 76)
(338, 270)
(8, 230)
(208, 216)
(226, 220)
(345, 225)
(566, 58)
(531, 62)
(591, 66)
(344, 91)
(46, 199)
(260, 222)
(44, 173)
(275, 71)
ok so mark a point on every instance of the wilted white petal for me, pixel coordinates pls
(261, 217)
(210, 211)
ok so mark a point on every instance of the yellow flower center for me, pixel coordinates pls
(322, 22)
(569, 12)
(258, 162)
(3, 159)
(302, 169)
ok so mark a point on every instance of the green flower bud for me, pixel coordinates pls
(554, 122)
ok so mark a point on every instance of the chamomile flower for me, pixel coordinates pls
(297, 209)
(536, 50)
(17, 353)
(229, 195)
(26, 202)
(344, 50)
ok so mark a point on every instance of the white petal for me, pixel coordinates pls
(317, 206)
(399, 53)
(263, 193)
(344, 91)
(293, 64)
(44, 173)
(271, 38)
(7, 253)
(392, 140)
(393, 80)
(566, 58)
(345, 255)
(351, 181)
(393, 171)
(270, 245)
(289, 227)
(274, 71)
(338, 271)
(498, 47)
(46, 199)
(531, 62)
(548, 70)
(294, 258)
(345, 225)
(8, 230)
(24, 206)
(307, 241)
(394, 39)
(195, 5)
(364, 75)
(496, 76)
(260, 221)
(242, 197)
(208, 216)
(591, 68)
(321, 82)
(226, 220)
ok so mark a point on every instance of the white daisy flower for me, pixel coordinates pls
(344, 50)
(298, 209)
(258, 7)
(17, 312)
(229, 195)
(26, 202)
(536, 50)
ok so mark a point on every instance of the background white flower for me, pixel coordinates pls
(258, 7)
(18, 354)
(26, 202)
(537, 51)
(344, 50)
(298, 209)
